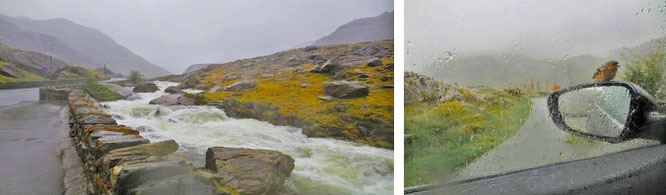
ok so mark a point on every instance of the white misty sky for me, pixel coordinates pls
(435, 30)
(177, 33)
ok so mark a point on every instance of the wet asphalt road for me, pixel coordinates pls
(29, 161)
(538, 143)
(14, 96)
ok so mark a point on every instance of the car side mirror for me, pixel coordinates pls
(606, 111)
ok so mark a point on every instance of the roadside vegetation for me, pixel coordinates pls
(98, 91)
(136, 77)
(29, 76)
(647, 70)
(577, 141)
(446, 134)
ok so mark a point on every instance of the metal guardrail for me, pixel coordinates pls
(31, 84)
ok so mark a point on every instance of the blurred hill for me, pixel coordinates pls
(74, 43)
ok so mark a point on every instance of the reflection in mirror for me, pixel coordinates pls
(601, 111)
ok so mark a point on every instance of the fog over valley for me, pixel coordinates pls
(176, 34)
(500, 41)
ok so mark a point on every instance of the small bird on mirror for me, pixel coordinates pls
(606, 72)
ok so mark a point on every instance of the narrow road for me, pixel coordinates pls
(537, 143)
(29, 161)
(14, 96)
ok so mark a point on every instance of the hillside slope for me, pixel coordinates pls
(73, 42)
(365, 29)
(288, 88)
(641, 49)
(20, 66)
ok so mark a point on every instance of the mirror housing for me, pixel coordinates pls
(642, 109)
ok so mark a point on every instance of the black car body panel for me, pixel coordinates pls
(639, 171)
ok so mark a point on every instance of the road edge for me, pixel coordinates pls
(74, 180)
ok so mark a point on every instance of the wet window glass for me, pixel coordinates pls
(478, 75)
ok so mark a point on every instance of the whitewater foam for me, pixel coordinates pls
(322, 166)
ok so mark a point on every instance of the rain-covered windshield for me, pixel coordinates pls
(478, 74)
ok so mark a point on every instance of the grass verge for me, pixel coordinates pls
(100, 92)
(446, 136)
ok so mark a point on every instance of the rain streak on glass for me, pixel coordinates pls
(480, 71)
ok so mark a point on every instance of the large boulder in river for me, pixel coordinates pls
(174, 99)
(134, 97)
(146, 88)
(133, 176)
(185, 100)
(345, 89)
(241, 85)
(174, 90)
(166, 100)
(249, 171)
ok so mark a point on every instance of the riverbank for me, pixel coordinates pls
(322, 165)
(342, 91)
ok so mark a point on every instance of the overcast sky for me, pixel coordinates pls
(178, 33)
(436, 30)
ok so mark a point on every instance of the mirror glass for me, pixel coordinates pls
(599, 111)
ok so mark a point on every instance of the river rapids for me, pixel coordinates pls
(322, 166)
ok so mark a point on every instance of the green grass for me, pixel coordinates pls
(100, 92)
(577, 141)
(28, 76)
(449, 135)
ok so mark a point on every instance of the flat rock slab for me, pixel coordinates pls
(241, 85)
(102, 148)
(173, 99)
(176, 185)
(249, 171)
(131, 176)
(97, 119)
(166, 100)
(174, 90)
(114, 138)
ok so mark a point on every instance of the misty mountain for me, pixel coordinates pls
(18, 66)
(504, 70)
(516, 70)
(645, 48)
(365, 29)
(74, 43)
(11, 34)
(237, 45)
(195, 67)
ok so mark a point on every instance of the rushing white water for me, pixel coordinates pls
(322, 166)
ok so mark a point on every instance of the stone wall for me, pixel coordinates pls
(118, 160)
(31, 84)
(54, 93)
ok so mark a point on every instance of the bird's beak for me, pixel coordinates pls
(619, 65)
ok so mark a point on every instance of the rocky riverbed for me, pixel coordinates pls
(322, 165)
